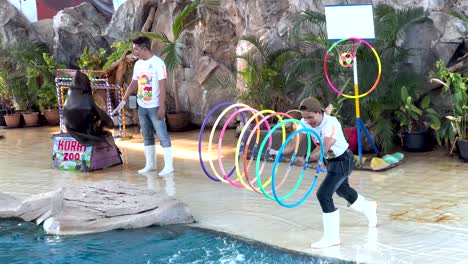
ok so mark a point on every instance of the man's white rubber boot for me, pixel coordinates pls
(168, 167)
(368, 208)
(150, 156)
(331, 231)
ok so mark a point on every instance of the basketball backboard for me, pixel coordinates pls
(347, 21)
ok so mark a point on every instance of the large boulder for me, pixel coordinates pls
(14, 26)
(45, 31)
(76, 28)
(96, 207)
(129, 18)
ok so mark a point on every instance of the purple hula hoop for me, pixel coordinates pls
(200, 139)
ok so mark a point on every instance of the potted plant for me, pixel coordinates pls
(172, 53)
(48, 104)
(417, 123)
(457, 87)
(7, 115)
(28, 73)
(460, 126)
(47, 93)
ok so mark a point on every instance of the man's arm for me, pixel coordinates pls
(327, 143)
(315, 154)
(289, 148)
(131, 89)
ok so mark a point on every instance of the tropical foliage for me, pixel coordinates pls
(30, 73)
(413, 118)
(456, 86)
(266, 85)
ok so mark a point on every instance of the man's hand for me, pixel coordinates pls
(161, 113)
(273, 152)
(299, 161)
(118, 108)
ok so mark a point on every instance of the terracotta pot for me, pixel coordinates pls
(52, 116)
(178, 121)
(31, 119)
(12, 120)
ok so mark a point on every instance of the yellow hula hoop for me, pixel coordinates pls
(240, 175)
(261, 187)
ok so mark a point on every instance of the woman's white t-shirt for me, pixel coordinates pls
(330, 127)
(147, 73)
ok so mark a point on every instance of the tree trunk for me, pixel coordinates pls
(175, 91)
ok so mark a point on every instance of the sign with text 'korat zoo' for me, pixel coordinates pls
(69, 154)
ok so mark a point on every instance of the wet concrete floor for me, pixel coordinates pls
(422, 204)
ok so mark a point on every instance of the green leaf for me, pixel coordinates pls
(425, 102)
(404, 94)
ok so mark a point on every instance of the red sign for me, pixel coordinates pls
(48, 8)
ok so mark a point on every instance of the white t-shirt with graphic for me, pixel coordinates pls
(329, 127)
(147, 73)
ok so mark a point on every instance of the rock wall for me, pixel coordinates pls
(212, 43)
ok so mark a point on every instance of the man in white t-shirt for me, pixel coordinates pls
(149, 81)
(339, 161)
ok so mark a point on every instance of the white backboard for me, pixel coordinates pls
(346, 21)
(27, 7)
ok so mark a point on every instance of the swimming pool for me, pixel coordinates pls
(24, 242)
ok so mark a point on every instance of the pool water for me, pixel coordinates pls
(24, 242)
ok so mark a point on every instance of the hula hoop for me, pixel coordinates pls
(220, 143)
(210, 141)
(304, 167)
(200, 139)
(259, 182)
(247, 142)
(325, 69)
(246, 145)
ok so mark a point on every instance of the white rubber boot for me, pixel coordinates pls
(168, 167)
(368, 208)
(150, 156)
(331, 231)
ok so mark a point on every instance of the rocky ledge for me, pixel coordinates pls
(96, 207)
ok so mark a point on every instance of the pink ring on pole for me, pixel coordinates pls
(325, 68)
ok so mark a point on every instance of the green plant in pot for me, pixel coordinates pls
(457, 87)
(417, 123)
(47, 93)
(6, 103)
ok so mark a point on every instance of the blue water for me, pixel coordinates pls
(24, 242)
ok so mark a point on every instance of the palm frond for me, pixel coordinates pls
(209, 4)
(261, 46)
(159, 36)
(278, 58)
(311, 19)
(179, 21)
(173, 54)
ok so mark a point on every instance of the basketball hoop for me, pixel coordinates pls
(347, 53)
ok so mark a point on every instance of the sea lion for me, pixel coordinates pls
(83, 119)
